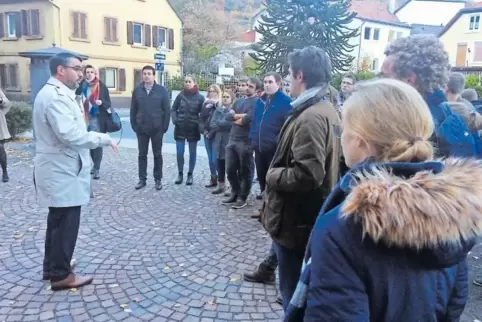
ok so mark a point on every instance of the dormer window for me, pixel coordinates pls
(474, 23)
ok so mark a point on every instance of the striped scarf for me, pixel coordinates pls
(89, 100)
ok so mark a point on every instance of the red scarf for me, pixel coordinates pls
(191, 91)
(94, 96)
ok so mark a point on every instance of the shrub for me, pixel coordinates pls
(478, 89)
(19, 119)
(471, 81)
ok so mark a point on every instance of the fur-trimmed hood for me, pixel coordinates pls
(432, 208)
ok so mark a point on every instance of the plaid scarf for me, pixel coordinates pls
(90, 101)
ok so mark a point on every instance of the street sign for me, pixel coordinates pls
(160, 67)
(160, 56)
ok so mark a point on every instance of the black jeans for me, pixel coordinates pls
(263, 160)
(221, 169)
(60, 240)
(96, 155)
(143, 146)
(239, 168)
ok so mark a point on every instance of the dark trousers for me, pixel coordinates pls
(239, 168)
(143, 146)
(3, 156)
(96, 155)
(271, 261)
(263, 160)
(60, 239)
(290, 262)
(221, 169)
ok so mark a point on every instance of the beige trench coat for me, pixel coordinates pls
(62, 160)
(5, 107)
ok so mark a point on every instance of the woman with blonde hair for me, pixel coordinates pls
(207, 110)
(392, 239)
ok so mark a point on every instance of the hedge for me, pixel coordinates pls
(19, 119)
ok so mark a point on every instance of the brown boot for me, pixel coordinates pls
(72, 281)
(220, 189)
(257, 214)
(213, 182)
(46, 275)
(261, 275)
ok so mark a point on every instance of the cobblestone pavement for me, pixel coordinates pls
(173, 255)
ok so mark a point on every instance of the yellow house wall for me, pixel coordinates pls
(459, 33)
(9, 49)
(56, 27)
(121, 55)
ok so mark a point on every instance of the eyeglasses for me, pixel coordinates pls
(76, 68)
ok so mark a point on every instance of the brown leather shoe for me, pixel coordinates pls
(46, 275)
(72, 281)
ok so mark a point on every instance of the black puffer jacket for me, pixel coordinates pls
(185, 115)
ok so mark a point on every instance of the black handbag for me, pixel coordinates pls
(113, 123)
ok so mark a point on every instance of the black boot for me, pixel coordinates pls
(213, 182)
(141, 184)
(220, 189)
(95, 174)
(261, 275)
(158, 185)
(189, 180)
(231, 199)
(5, 177)
(180, 178)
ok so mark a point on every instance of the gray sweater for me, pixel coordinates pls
(240, 133)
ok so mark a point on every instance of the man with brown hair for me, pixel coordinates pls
(305, 166)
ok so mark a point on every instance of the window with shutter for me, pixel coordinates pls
(137, 34)
(162, 37)
(171, 39)
(2, 28)
(3, 76)
(110, 26)
(34, 22)
(122, 80)
(130, 31)
(111, 78)
(137, 77)
(83, 25)
(147, 35)
(75, 25)
(79, 25)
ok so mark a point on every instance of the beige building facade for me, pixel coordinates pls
(118, 36)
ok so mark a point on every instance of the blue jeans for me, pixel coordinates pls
(211, 151)
(180, 146)
(290, 262)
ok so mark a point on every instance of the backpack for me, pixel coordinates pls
(452, 135)
(113, 123)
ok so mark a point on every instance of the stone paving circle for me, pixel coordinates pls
(171, 255)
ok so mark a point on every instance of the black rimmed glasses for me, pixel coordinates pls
(76, 68)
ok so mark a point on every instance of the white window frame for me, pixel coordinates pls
(142, 33)
(107, 69)
(11, 18)
(474, 27)
(165, 38)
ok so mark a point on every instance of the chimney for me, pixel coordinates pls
(392, 6)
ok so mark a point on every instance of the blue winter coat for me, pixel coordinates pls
(391, 245)
(268, 119)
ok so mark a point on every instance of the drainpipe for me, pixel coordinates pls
(59, 24)
(181, 51)
(359, 45)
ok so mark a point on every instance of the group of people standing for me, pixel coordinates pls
(239, 129)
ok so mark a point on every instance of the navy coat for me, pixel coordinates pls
(391, 244)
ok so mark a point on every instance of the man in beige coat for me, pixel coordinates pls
(5, 106)
(62, 166)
